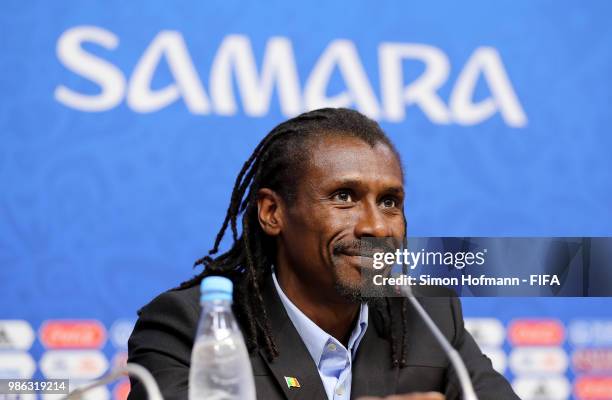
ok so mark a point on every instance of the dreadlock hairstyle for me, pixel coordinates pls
(275, 163)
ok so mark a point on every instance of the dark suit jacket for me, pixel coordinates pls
(164, 334)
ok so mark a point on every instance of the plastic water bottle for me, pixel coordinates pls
(220, 365)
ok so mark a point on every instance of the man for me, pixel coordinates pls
(313, 190)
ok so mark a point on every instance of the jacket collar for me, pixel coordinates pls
(294, 360)
(372, 373)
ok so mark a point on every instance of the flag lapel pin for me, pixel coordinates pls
(292, 382)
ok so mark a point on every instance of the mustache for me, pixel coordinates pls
(367, 247)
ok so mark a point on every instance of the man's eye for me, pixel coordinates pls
(389, 203)
(343, 196)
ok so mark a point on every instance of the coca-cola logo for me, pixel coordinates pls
(89, 334)
(122, 390)
(545, 332)
(593, 388)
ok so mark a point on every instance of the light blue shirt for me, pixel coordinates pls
(333, 360)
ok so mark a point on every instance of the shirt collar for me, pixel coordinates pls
(312, 335)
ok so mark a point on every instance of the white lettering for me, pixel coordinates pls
(422, 91)
(236, 53)
(103, 73)
(341, 53)
(485, 60)
(235, 62)
(141, 98)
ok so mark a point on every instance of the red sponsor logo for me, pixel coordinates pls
(592, 360)
(545, 332)
(593, 387)
(88, 334)
(122, 390)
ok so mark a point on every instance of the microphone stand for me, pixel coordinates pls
(131, 369)
(453, 355)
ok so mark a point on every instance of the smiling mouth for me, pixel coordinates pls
(357, 254)
(358, 260)
(361, 253)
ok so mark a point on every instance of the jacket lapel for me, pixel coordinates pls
(372, 372)
(294, 360)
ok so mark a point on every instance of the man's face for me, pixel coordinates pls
(348, 191)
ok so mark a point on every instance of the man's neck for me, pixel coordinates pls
(332, 313)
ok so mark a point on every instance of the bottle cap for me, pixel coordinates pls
(216, 288)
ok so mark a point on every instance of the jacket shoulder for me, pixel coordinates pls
(186, 298)
(162, 339)
(167, 325)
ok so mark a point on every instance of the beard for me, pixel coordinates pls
(357, 284)
(363, 289)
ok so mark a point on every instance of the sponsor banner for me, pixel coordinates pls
(235, 53)
(119, 360)
(72, 334)
(20, 396)
(144, 109)
(121, 390)
(16, 335)
(73, 364)
(120, 332)
(16, 364)
(487, 332)
(98, 393)
(542, 388)
(532, 361)
(498, 358)
(590, 332)
(536, 332)
(593, 388)
(596, 360)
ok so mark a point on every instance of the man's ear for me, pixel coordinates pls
(270, 211)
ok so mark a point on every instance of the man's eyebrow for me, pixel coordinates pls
(356, 182)
(348, 182)
(395, 190)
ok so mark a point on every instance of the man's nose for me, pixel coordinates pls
(372, 223)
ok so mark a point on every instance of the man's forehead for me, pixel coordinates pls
(352, 159)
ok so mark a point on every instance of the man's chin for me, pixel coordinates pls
(359, 287)
(349, 292)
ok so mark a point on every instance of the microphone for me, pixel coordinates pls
(464, 378)
(131, 369)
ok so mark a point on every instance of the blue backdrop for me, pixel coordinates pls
(123, 126)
